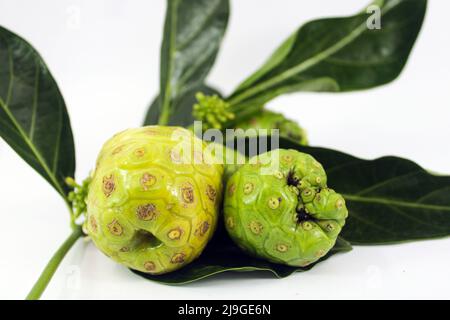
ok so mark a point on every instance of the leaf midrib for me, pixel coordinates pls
(392, 202)
(165, 106)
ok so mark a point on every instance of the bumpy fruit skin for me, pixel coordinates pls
(272, 120)
(148, 207)
(284, 213)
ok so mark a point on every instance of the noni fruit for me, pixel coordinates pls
(278, 207)
(272, 120)
(154, 198)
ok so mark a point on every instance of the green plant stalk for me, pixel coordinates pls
(53, 264)
(165, 114)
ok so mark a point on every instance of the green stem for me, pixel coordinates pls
(164, 117)
(53, 264)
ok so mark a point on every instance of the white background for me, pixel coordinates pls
(105, 57)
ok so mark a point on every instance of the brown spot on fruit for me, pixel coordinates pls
(140, 152)
(115, 228)
(147, 180)
(230, 222)
(147, 212)
(108, 185)
(287, 158)
(175, 156)
(248, 188)
(175, 234)
(124, 249)
(273, 203)
(256, 227)
(202, 229)
(178, 258)
(93, 223)
(339, 203)
(282, 248)
(231, 189)
(149, 266)
(211, 192)
(187, 193)
(279, 175)
(307, 225)
(152, 132)
(117, 150)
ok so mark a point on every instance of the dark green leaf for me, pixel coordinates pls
(182, 107)
(338, 54)
(389, 199)
(33, 115)
(193, 32)
(222, 255)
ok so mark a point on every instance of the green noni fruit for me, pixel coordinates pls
(272, 120)
(154, 198)
(278, 207)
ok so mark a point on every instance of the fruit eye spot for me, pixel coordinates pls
(115, 228)
(318, 180)
(231, 189)
(294, 190)
(274, 203)
(230, 222)
(149, 266)
(175, 156)
(339, 203)
(175, 234)
(152, 132)
(108, 185)
(93, 223)
(203, 229)
(279, 175)
(282, 247)
(124, 249)
(307, 226)
(287, 158)
(139, 152)
(117, 150)
(187, 193)
(211, 192)
(256, 227)
(330, 227)
(178, 258)
(147, 181)
(146, 212)
(248, 188)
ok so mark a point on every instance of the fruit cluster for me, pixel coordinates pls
(155, 199)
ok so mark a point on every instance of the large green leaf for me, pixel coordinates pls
(33, 115)
(182, 107)
(222, 255)
(390, 199)
(193, 32)
(338, 54)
